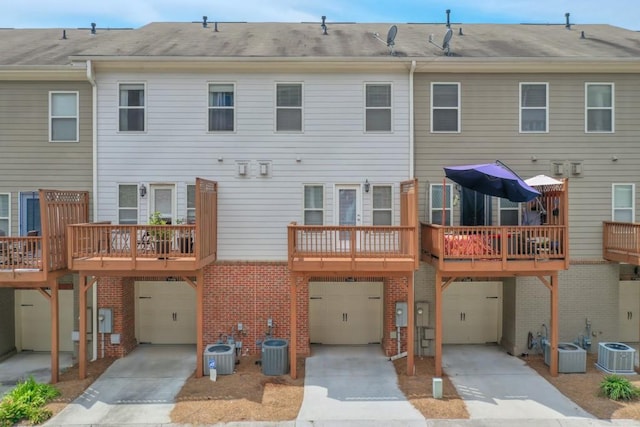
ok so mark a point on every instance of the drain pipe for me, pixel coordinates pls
(94, 190)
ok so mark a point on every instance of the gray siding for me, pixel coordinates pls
(490, 131)
(7, 320)
(29, 161)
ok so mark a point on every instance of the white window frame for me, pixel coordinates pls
(324, 203)
(194, 204)
(449, 203)
(232, 108)
(501, 208)
(8, 217)
(137, 208)
(374, 209)
(587, 108)
(277, 107)
(389, 108)
(52, 117)
(545, 108)
(143, 107)
(458, 108)
(613, 201)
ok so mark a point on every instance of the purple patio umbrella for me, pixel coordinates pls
(494, 179)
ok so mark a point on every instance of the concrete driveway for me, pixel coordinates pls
(29, 363)
(348, 384)
(495, 385)
(137, 389)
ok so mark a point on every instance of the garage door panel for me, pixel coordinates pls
(35, 320)
(471, 312)
(165, 313)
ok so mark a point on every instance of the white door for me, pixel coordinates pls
(348, 211)
(33, 320)
(471, 313)
(629, 311)
(345, 312)
(163, 200)
(165, 313)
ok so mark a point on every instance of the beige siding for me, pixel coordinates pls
(29, 161)
(490, 131)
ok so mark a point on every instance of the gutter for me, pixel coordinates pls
(94, 190)
(411, 120)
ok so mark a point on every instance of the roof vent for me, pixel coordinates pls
(64, 34)
(568, 24)
(460, 31)
(93, 28)
(204, 21)
(324, 25)
(582, 36)
(448, 21)
(215, 26)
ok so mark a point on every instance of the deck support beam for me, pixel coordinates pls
(294, 325)
(199, 287)
(438, 328)
(411, 326)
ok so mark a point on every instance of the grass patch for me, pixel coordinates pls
(616, 387)
(26, 401)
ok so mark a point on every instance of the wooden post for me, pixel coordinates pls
(82, 327)
(199, 323)
(438, 329)
(553, 367)
(411, 326)
(55, 331)
(294, 326)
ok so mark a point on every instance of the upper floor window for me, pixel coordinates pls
(441, 204)
(132, 107)
(221, 107)
(4, 214)
(313, 205)
(191, 204)
(534, 112)
(509, 212)
(289, 107)
(378, 108)
(63, 116)
(127, 204)
(445, 107)
(599, 101)
(382, 205)
(624, 206)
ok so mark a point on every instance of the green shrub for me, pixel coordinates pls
(26, 401)
(616, 387)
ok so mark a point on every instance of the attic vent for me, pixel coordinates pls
(204, 21)
(215, 27)
(64, 34)
(460, 31)
(568, 24)
(93, 28)
(324, 25)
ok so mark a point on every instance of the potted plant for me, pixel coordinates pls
(161, 236)
(185, 239)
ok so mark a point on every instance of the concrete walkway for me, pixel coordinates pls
(136, 390)
(352, 385)
(495, 385)
(29, 363)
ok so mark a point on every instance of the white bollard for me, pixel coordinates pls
(213, 373)
(437, 388)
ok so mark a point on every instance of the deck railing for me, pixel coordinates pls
(621, 238)
(497, 243)
(351, 242)
(21, 253)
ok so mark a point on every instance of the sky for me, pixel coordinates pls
(136, 13)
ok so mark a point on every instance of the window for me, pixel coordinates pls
(378, 108)
(221, 107)
(313, 205)
(63, 116)
(599, 107)
(289, 107)
(445, 107)
(624, 202)
(4, 215)
(127, 204)
(437, 195)
(191, 204)
(132, 104)
(509, 212)
(533, 107)
(382, 205)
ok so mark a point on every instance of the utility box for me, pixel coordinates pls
(422, 314)
(401, 314)
(105, 320)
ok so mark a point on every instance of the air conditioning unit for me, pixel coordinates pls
(571, 358)
(616, 358)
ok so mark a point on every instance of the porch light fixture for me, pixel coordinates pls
(367, 186)
(143, 190)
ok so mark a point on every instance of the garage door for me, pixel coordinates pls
(33, 320)
(345, 312)
(165, 313)
(471, 313)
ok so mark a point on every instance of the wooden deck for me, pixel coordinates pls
(621, 242)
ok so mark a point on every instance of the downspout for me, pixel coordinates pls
(94, 192)
(411, 125)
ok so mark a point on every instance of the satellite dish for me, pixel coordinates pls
(391, 35)
(446, 42)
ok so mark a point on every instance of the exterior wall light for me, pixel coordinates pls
(143, 190)
(367, 186)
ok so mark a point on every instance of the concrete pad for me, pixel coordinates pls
(495, 385)
(349, 383)
(137, 389)
(28, 363)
